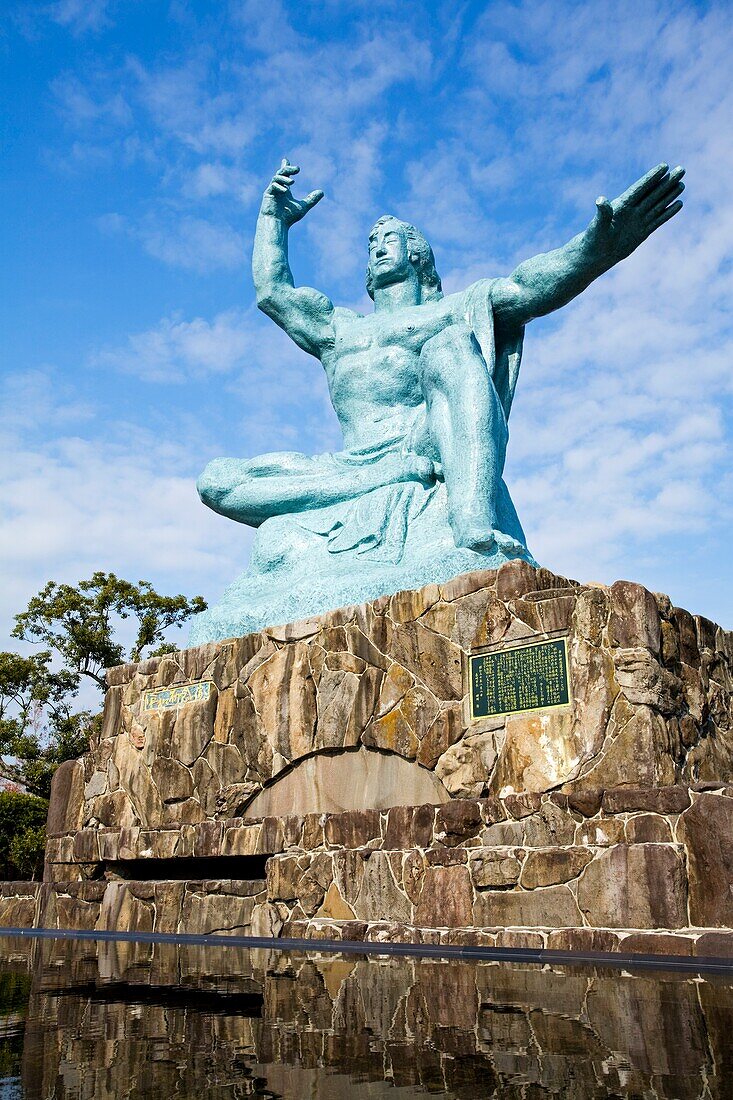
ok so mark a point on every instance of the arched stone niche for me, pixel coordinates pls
(353, 779)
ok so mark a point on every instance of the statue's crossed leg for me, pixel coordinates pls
(466, 421)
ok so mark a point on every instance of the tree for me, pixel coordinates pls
(35, 720)
(22, 835)
(78, 622)
(38, 727)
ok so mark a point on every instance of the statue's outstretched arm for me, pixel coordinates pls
(304, 313)
(551, 279)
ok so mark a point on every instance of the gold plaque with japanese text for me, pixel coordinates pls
(520, 679)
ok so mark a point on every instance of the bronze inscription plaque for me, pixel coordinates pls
(176, 696)
(523, 678)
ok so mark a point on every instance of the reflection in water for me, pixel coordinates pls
(99, 1020)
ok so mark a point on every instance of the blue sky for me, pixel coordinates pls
(138, 137)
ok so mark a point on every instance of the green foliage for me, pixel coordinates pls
(77, 623)
(37, 729)
(27, 850)
(15, 989)
(22, 835)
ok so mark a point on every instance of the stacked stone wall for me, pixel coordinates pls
(651, 704)
(396, 815)
(621, 869)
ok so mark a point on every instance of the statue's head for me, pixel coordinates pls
(394, 248)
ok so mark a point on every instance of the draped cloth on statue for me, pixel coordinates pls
(502, 353)
(385, 539)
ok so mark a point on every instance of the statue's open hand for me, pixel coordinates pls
(278, 200)
(621, 225)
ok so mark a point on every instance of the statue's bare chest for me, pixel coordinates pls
(375, 360)
(404, 330)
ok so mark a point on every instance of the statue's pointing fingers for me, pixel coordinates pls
(620, 226)
(279, 201)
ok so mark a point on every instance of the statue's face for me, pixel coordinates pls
(389, 257)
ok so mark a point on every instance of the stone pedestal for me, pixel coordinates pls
(325, 777)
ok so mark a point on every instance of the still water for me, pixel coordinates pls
(91, 1019)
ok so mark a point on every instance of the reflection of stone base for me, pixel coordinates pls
(300, 753)
(221, 1023)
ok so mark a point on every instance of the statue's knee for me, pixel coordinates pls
(216, 481)
(443, 353)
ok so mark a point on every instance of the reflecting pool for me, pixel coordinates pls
(97, 1019)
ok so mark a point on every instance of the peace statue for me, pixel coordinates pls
(422, 389)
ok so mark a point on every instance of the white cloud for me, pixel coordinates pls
(176, 349)
(84, 110)
(31, 398)
(213, 178)
(194, 244)
(275, 393)
(73, 503)
(80, 16)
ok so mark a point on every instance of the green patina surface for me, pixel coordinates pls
(422, 388)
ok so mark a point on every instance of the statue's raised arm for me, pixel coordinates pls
(550, 280)
(304, 313)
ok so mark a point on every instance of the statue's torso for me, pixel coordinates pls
(373, 368)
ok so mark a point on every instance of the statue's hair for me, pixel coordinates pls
(421, 255)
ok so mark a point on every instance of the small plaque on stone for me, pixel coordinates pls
(520, 679)
(176, 696)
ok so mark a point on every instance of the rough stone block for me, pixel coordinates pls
(657, 943)
(515, 578)
(446, 900)
(494, 867)
(223, 914)
(66, 805)
(660, 800)
(635, 886)
(456, 821)
(334, 906)
(379, 894)
(352, 830)
(583, 940)
(446, 857)
(409, 827)
(551, 907)
(18, 906)
(601, 832)
(550, 866)
(465, 768)
(714, 945)
(634, 619)
(586, 802)
(706, 830)
(648, 829)
(524, 804)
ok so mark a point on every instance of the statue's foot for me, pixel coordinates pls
(513, 548)
(487, 540)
